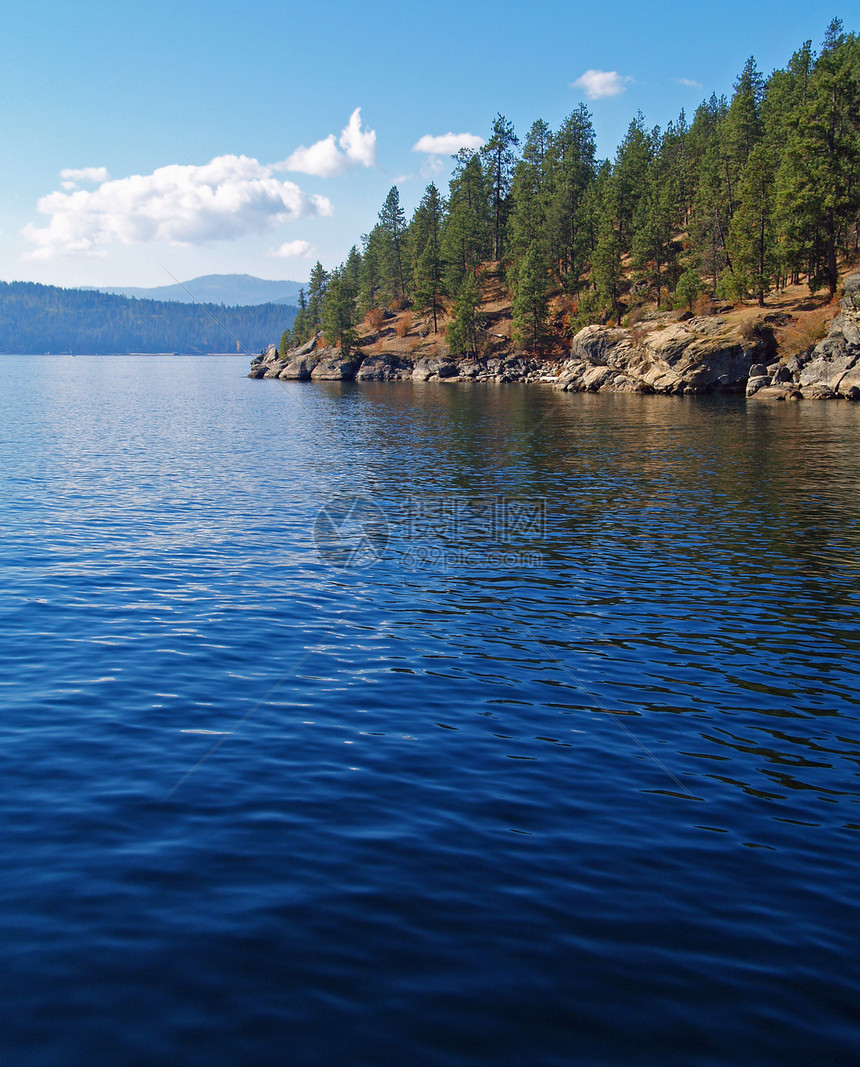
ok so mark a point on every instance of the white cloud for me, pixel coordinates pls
(690, 83)
(293, 250)
(85, 174)
(324, 159)
(446, 144)
(600, 83)
(227, 198)
(359, 145)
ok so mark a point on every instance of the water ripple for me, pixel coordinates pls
(585, 794)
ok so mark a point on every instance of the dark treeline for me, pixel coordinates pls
(759, 190)
(44, 318)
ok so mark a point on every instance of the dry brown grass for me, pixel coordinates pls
(374, 319)
(804, 333)
(404, 324)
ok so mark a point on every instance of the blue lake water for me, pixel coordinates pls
(424, 724)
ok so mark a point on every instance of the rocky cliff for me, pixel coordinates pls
(828, 371)
(700, 355)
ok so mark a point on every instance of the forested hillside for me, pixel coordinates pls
(758, 190)
(43, 318)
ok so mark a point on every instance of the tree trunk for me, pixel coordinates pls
(832, 272)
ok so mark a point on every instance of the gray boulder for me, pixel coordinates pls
(696, 356)
(333, 366)
(298, 368)
(384, 368)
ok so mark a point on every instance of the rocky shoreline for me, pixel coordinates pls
(700, 355)
(321, 364)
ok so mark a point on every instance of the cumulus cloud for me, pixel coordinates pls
(600, 83)
(359, 145)
(690, 83)
(293, 250)
(85, 174)
(227, 198)
(332, 155)
(447, 144)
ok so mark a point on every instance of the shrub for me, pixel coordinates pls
(730, 287)
(689, 289)
(589, 310)
(404, 324)
(374, 319)
(805, 333)
(486, 344)
(749, 331)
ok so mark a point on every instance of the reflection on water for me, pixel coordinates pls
(579, 788)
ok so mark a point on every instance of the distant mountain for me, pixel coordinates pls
(43, 318)
(234, 290)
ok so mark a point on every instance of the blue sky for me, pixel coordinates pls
(196, 138)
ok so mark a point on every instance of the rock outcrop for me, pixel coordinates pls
(697, 356)
(828, 371)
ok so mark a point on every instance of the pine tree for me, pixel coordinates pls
(689, 288)
(818, 192)
(301, 330)
(499, 158)
(606, 258)
(316, 291)
(466, 234)
(711, 215)
(530, 306)
(679, 166)
(785, 91)
(462, 333)
(528, 196)
(629, 177)
(392, 221)
(425, 239)
(651, 237)
(743, 127)
(339, 314)
(571, 174)
(752, 235)
(373, 267)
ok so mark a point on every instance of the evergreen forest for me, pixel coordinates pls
(43, 318)
(755, 191)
